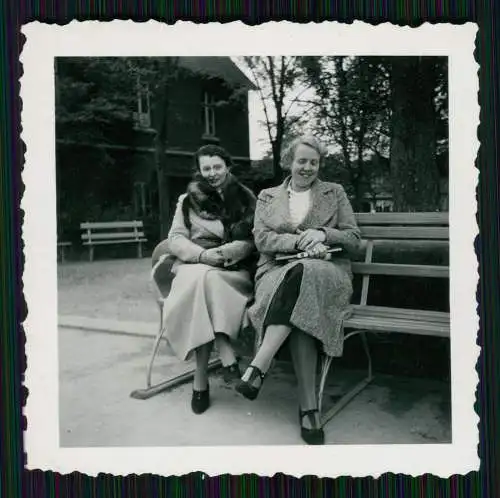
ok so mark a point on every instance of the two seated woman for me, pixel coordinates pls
(301, 301)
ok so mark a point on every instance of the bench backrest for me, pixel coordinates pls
(397, 227)
(114, 230)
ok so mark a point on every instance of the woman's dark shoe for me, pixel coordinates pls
(314, 435)
(231, 373)
(247, 387)
(200, 401)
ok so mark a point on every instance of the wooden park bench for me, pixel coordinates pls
(376, 229)
(115, 232)
(391, 229)
(61, 249)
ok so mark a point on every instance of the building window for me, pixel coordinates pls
(208, 114)
(143, 115)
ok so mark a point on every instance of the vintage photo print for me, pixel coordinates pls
(250, 249)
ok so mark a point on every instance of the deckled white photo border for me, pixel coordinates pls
(126, 38)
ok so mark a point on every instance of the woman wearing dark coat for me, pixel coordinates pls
(303, 300)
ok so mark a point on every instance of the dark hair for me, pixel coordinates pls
(211, 150)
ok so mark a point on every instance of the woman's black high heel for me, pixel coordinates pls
(200, 401)
(315, 435)
(246, 388)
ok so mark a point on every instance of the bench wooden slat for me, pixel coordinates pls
(408, 314)
(383, 232)
(381, 324)
(396, 229)
(123, 232)
(113, 235)
(365, 219)
(407, 245)
(112, 224)
(401, 270)
(103, 242)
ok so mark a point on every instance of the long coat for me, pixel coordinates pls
(326, 286)
(203, 300)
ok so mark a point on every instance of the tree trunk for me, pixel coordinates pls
(413, 165)
(359, 191)
(341, 110)
(341, 113)
(164, 190)
(277, 171)
(160, 112)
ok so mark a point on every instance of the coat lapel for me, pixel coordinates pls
(321, 210)
(322, 207)
(278, 210)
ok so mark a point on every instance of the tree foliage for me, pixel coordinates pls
(360, 112)
(280, 85)
(94, 97)
(96, 100)
(381, 117)
(351, 113)
(97, 104)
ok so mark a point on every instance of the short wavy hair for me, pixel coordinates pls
(211, 150)
(311, 141)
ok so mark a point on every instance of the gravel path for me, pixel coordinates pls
(114, 289)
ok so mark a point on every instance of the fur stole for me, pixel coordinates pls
(235, 208)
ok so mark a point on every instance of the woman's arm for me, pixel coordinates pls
(236, 251)
(347, 234)
(178, 241)
(267, 240)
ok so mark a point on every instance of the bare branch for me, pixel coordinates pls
(262, 99)
(282, 82)
(300, 117)
(295, 100)
(272, 78)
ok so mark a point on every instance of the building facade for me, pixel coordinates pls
(116, 177)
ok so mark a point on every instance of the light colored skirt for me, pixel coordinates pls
(204, 300)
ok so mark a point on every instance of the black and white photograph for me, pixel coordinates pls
(251, 249)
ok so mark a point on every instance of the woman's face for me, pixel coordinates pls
(305, 167)
(213, 169)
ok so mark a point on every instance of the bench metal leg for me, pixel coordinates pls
(156, 346)
(91, 253)
(171, 383)
(327, 361)
(353, 392)
(152, 390)
(139, 250)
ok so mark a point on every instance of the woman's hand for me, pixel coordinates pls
(212, 257)
(318, 251)
(310, 238)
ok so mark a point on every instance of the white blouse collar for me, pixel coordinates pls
(295, 192)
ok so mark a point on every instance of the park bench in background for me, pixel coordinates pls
(61, 249)
(410, 229)
(115, 232)
(391, 228)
